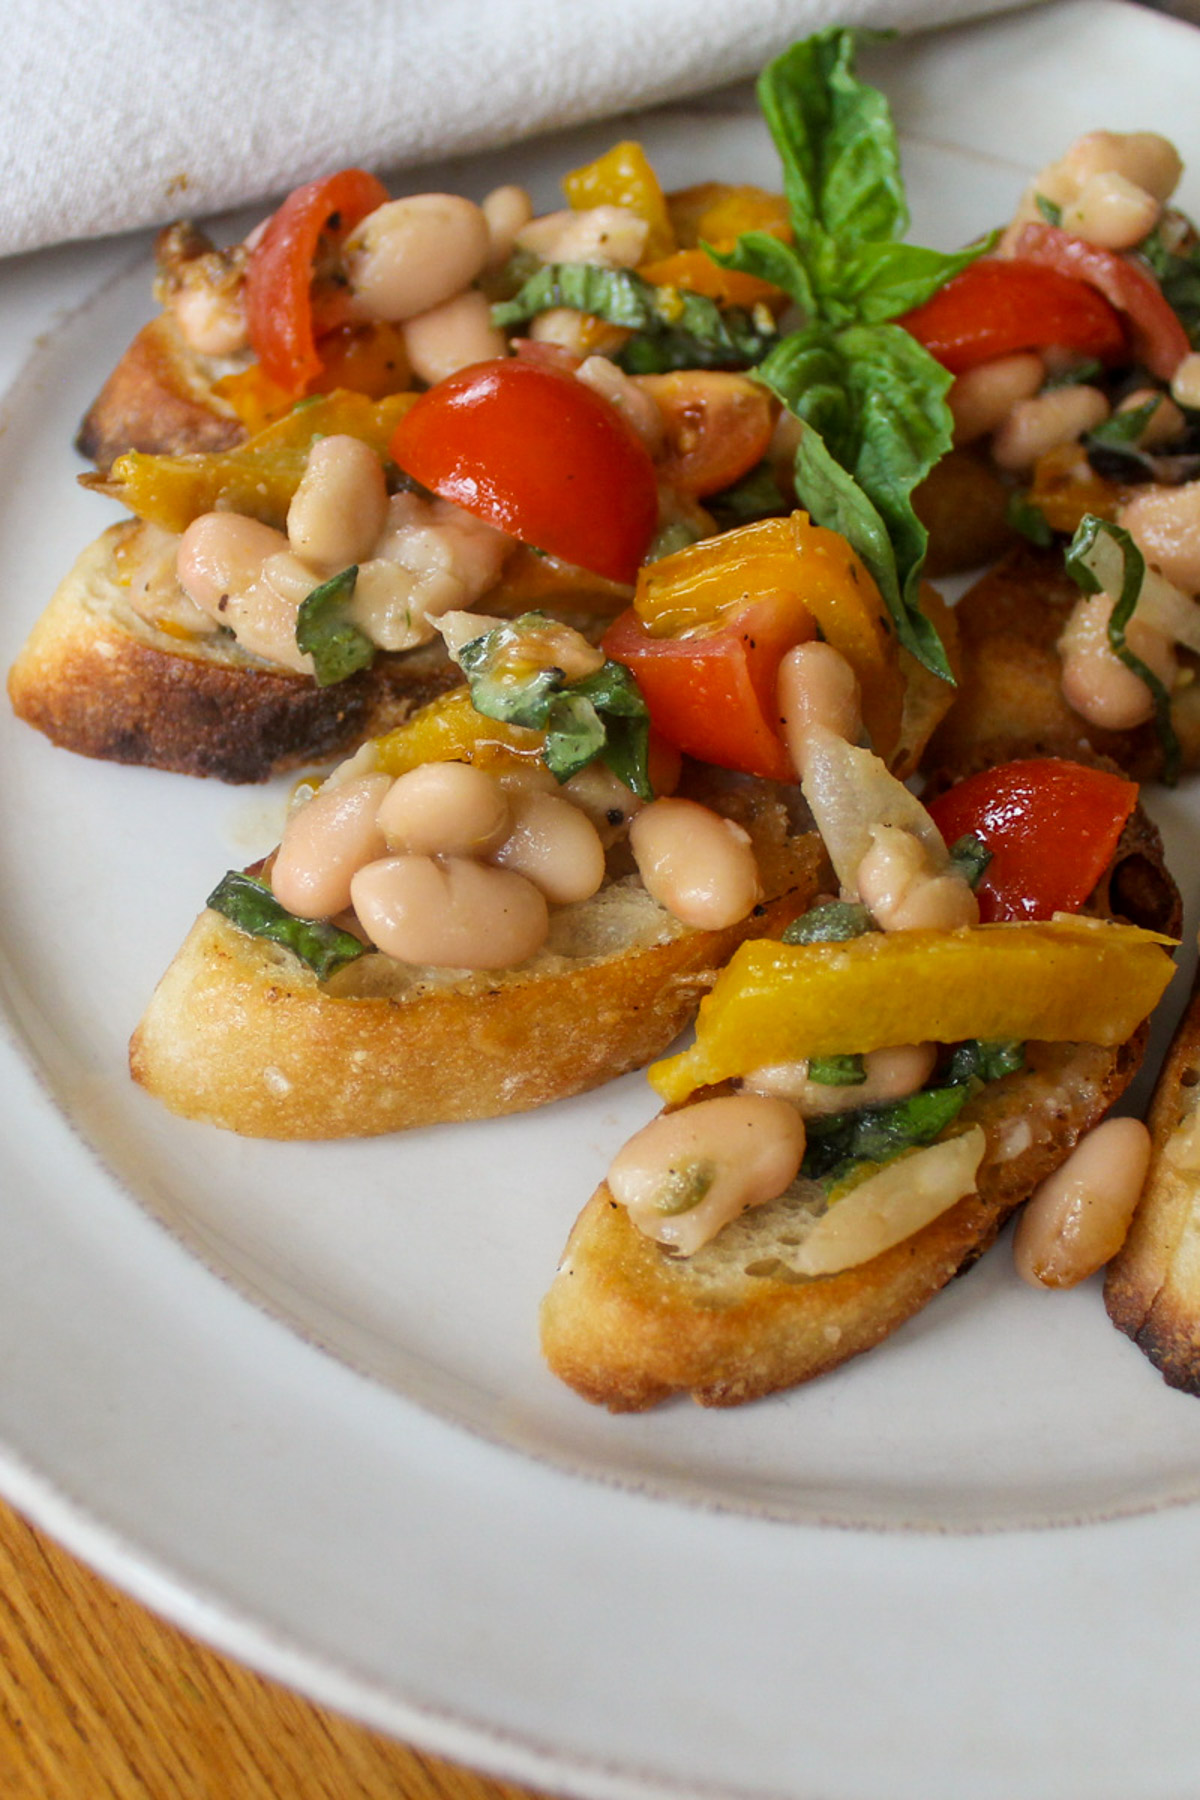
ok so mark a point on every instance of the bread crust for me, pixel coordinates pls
(627, 1325)
(242, 1035)
(1010, 700)
(99, 680)
(159, 398)
(1152, 1287)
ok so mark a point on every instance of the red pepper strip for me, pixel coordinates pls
(1159, 340)
(279, 275)
(1052, 828)
(998, 306)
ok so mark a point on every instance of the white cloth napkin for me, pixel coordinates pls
(131, 112)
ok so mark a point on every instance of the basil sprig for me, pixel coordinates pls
(326, 632)
(673, 328)
(601, 717)
(250, 905)
(1083, 555)
(872, 398)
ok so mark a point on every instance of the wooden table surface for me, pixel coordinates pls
(99, 1700)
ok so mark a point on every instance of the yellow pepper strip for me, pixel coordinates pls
(623, 177)
(699, 274)
(1066, 488)
(1068, 980)
(258, 477)
(717, 212)
(450, 730)
(698, 588)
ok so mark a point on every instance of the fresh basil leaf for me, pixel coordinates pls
(877, 282)
(1025, 517)
(833, 922)
(1124, 427)
(837, 1071)
(876, 1134)
(770, 259)
(1051, 212)
(970, 856)
(250, 905)
(673, 328)
(1084, 372)
(836, 140)
(1173, 252)
(1085, 553)
(983, 1060)
(326, 632)
(601, 717)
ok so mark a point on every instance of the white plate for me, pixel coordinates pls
(422, 1527)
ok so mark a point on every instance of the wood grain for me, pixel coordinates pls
(100, 1700)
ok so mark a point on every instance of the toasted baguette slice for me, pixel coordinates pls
(1010, 700)
(160, 398)
(100, 680)
(242, 1035)
(627, 1325)
(1152, 1289)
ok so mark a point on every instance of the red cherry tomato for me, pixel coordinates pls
(713, 695)
(1052, 828)
(279, 311)
(1158, 339)
(535, 452)
(998, 306)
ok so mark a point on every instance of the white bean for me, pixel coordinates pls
(982, 398)
(452, 557)
(613, 237)
(222, 553)
(554, 845)
(695, 863)
(1140, 156)
(1164, 523)
(891, 1074)
(1043, 423)
(1095, 681)
(452, 336)
(1164, 424)
(449, 913)
(325, 842)
(445, 809)
(603, 796)
(506, 210)
(409, 255)
(577, 332)
(1079, 1217)
(1185, 383)
(903, 890)
(816, 687)
(1111, 211)
(689, 1172)
(340, 506)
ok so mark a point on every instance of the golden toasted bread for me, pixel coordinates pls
(243, 1035)
(160, 397)
(963, 504)
(1010, 700)
(1152, 1289)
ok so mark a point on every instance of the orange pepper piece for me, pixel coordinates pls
(623, 177)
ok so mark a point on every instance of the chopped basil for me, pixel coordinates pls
(1114, 452)
(837, 1071)
(1173, 253)
(602, 717)
(672, 328)
(683, 1188)
(969, 857)
(1085, 369)
(1091, 546)
(1030, 521)
(250, 905)
(839, 1145)
(326, 632)
(1048, 209)
(831, 923)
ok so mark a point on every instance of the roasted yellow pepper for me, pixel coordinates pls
(450, 730)
(623, 177)
(717, 213)
(1069, 980)
(697, 589)
(257, 478)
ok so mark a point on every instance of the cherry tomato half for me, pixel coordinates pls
(279, 311)
(717, 427)
(998, 306)
(541, 456)
(1158, 338)
(713, 695)
(1052, 828)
